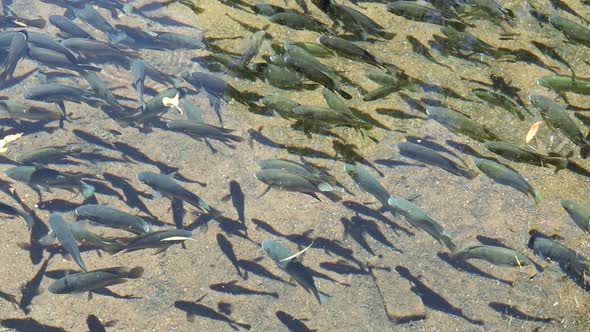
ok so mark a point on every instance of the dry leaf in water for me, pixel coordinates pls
(172, 102)
(8, 139)
(533, 131)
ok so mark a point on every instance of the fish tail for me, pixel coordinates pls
(560, 164)
(448, 242)
(37, 23)
(323, 297)
(537, 196)
(87, 190)
(113, 248)
(117, 36)
(585, 150)
(235, 138)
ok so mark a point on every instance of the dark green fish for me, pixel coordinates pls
(11, 210)
(431, 157)
(285, 260)
(500, 100)
(299, 22)
(381, 92)
(42, 178)
(47, 154)
(282, 105)
(108, 216)
(154, 108)
(101, 89)
(349, 50)
(523, 154)
(168, 187)
(19, 110)
(570, 259)
(557, 118)
(419, 219)
(285, 180)
(282, 77)
(506, 176)
(424, 12)
(496, 255)
(460, 124)
(159, 240)
(329, 116)
(63, 233)
(253, 48)
(573, 31)
(313, 73)
(16, 52)
(315, 49)
(561, 83)
(199, 130)
(580, 215)
(93, 280)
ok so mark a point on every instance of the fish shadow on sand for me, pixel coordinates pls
(292, 323)
(462, 265)
(513, 312)
(28, 324)
(432, 299)
(95, 325)
(363, 210)
(193, 309)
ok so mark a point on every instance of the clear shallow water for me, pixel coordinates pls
(411, 270)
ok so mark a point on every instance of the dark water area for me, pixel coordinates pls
(381, 270)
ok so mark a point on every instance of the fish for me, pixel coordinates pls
(496, 255)
(108, 216)
(43, 178)
(138, 72)
(316, 49)
(466, 41)
(101, 90)
(368, 183)
(431, 157)
(199, 130)
(54, 59)
(563, 83)
(570, 29)
(67, 27)
(64, 234)
(217, 87)
(460, 124)
(349, 50)
(329, 116)
(315, 74)
(161, 77)
(253, 47)
(160, 240)
(557, 118)
(570, 260)
(579, 214)
(46, 154)
(280, 104)
(58, 93)
(99, 51)
(419, 219)
(508, 177)
(175, 41)
(497, 99)
(16, 52)
(283, 77)
(285, 259)
(298, 21)
(94, 280)
(283, 180)
(424, 12)
(20, 110)
(171, 189)
(154, 108)
(7, 21)
(11, 210)
(91, 16)
(523, 154)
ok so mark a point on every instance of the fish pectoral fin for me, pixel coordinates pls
(156, 194)
(268, 188)
(190, 317)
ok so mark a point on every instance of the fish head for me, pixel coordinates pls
(351, 170)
